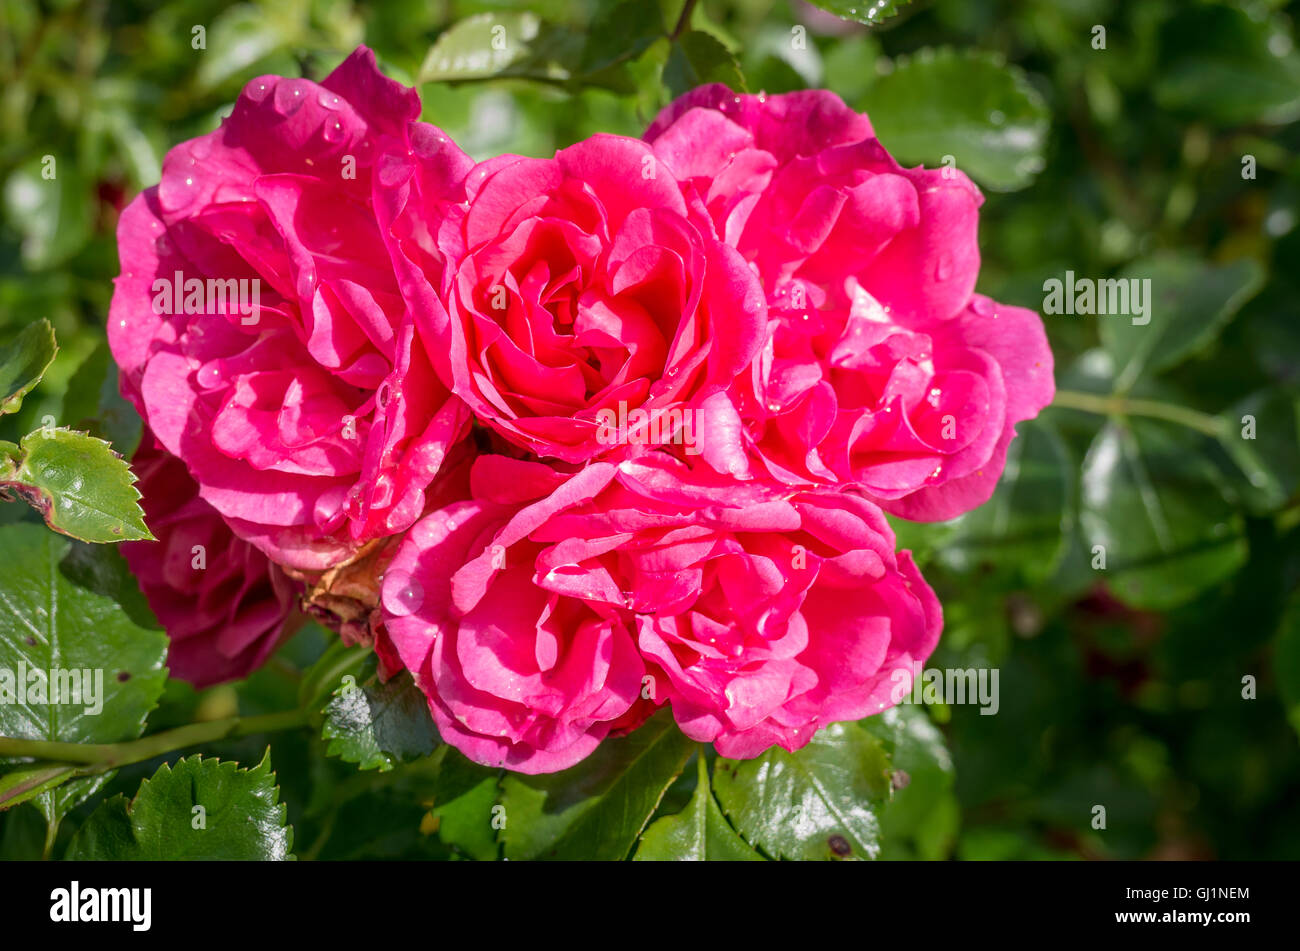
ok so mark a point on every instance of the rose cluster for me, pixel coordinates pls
(569, 438)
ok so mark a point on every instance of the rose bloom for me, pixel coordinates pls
(882, 369)
(535, 613)
(223, 604)
(259, 326)
(574, 299)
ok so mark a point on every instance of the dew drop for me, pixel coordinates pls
(210, 375)
(402, 594)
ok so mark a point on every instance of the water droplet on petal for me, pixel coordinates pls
(211, 375)
(402, 594)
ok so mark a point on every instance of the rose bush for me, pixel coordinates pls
(758, 275)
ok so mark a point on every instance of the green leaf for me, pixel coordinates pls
(240, 37)
(869, 12)
(94, 403)
(1023, 526)
(619, 32)
(326, 673)
(23, 362)
(378, 725)
(199, 809)
(1228, 66)
(699, 833)
(27, 782)
(1265, 451)
(697, 58)
(504, 44)
(968, 105)
(48, 621)
(465, 806)
(821, 802)
(1151, 500)
(594, 810)
(1190, 301)
(79, 485)
(48, 202)
(1286, 661)
(920, 818)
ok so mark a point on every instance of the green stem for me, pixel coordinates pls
(683, 21)
(51, 836)
(101, 757)
(1127, 406)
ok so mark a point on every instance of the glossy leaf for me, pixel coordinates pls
(1190, 301)
(199, 809)
(819, 803)
(919, 818)
(240, 37)
(22, 783)
(967, 105)
(699, 833)
(619, 32)
(23, 362)
(507, 43)
(377, 726)
(869, 12)
(49, 621)
(594, 810)
(80, 486)
(697, 58)
(1151, 501)
(466, 810)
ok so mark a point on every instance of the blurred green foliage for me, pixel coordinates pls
(1169, 152)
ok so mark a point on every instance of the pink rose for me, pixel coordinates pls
(575, 299)
(224, 606)
(764, 618)
(519, 673)
(259, 325)
(532, 612)
(882, 369)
